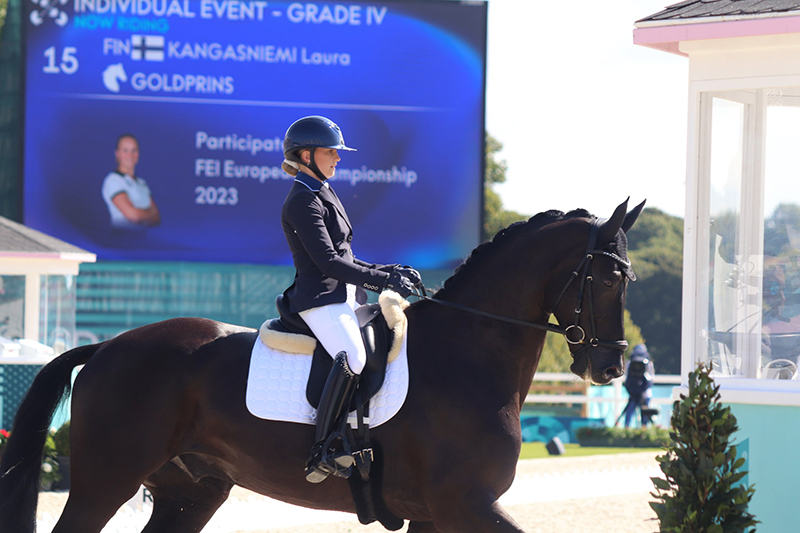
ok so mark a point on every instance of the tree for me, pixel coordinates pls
(495, 217)
(655, 245)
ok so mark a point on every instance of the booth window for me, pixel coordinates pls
(57, 317)
(12, 306)
(751, 167)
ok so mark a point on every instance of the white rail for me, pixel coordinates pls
(619, 399)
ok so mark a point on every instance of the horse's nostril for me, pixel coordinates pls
(613, 372)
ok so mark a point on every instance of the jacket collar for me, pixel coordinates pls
(312, 183)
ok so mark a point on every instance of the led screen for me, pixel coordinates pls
(209, 87)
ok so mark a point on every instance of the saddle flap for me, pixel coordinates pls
(378, 342)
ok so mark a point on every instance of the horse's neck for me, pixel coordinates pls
(498, 354)
(510, 284)
(477, 355)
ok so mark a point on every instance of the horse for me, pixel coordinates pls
(163, 405)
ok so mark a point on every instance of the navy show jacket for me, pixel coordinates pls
(319, 235)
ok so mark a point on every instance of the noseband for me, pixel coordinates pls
(574, 334)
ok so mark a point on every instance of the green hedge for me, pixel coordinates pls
(650, 437)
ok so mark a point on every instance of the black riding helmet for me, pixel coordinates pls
(311, 133)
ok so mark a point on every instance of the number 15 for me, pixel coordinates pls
(69, 63)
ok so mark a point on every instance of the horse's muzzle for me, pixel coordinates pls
(598, 365)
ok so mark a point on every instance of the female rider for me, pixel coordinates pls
(329, 281)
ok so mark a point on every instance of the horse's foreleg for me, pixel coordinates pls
(476, 518)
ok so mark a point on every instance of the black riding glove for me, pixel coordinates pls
(411, 274)
(400, 284)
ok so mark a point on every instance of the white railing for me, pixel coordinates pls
(619, 399)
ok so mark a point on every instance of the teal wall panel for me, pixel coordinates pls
(769, 436)
(14, 383)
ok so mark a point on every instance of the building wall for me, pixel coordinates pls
(769, 435)
(759, 57)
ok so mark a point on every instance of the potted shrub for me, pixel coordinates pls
(702, 489)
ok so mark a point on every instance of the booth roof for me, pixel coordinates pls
(690, 9)
(18, 239)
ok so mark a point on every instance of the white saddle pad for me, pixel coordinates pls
(276, 387)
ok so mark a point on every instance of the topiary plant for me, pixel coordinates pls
(702, 490)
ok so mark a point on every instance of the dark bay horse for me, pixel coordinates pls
(164, 405)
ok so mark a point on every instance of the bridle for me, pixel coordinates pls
(574, 334)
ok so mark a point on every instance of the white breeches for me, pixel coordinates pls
(336, 327)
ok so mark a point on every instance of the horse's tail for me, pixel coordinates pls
(21, 462)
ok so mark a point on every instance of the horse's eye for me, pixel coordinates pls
(608, 283)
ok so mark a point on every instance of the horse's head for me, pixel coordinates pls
(592, 302)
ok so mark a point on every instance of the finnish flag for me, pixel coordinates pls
(147, 47)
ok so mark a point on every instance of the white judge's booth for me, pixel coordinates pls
(37, 307)
(741, 293)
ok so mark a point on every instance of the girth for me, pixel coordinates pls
(377, 340)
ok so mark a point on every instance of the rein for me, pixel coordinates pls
(584, 270)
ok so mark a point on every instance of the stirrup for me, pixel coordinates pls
(325, 460)
(339, 466)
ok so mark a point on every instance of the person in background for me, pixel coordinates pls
(639, 374)
(329, 281)
(130, 203)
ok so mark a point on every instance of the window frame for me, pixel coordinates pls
(753, 92)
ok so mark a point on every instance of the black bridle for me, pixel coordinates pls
(582, 271)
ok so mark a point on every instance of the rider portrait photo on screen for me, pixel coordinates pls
(129, 200)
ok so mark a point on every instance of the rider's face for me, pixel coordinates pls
(326, 159)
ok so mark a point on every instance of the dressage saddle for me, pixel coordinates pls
(377, 340)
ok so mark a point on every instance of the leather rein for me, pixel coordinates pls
(584, 271)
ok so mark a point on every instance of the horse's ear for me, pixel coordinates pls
(631, 217)
(608, 231)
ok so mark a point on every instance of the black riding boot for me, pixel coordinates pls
(333, 409)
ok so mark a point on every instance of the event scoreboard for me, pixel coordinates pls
(209, 88)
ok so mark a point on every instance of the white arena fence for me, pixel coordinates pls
(601, 401)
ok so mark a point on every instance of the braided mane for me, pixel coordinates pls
(503, 236)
